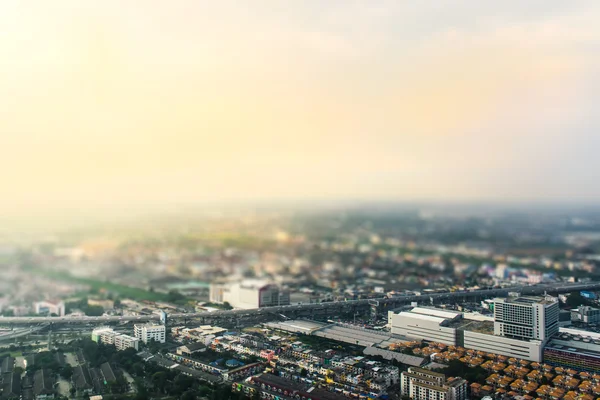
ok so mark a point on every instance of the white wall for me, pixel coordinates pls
(528, 350)
(417, 328)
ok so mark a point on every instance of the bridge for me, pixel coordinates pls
(318, 307)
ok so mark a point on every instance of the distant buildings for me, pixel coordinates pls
(422, 384)
(249, 294)
(148, 332)
(586, 315)
(105, 304)
(49, 307)
(107, 335)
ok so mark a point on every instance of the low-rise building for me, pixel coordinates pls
(586, 315)
(271, 387)
(191, 349)
(425, 323)
(43, 384)
(107, 335)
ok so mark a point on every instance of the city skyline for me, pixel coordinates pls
(109, 105)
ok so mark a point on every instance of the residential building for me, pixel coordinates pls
(423, 384)
(107, 335)
(11, 386)
(43, 384)
(123, 342)
(148, 332)
(271, 387)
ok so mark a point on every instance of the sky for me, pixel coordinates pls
(110, 103)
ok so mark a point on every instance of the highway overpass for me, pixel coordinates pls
(319, 307)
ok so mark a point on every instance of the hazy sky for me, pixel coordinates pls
(111, 103)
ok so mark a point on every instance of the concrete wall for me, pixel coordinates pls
(529, 350)
(416, 328)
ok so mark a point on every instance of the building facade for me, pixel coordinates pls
(422, 384)
(526, 349)
(148, 332)
(106, 335)
(50, 307)
(249, 294)
(586, 315)
(426, 324)
(525, 317)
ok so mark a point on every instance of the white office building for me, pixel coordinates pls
(422, 384)
(148, 332)
(530, 318)
(49, 307)
(249, 294)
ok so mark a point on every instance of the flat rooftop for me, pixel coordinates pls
(526, 300)
(360, 336)
(423, 317)
(436, 312)
(554, 345)
(297, 325)
(486, 327)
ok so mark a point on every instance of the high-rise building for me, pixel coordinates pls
(422, 384)
(148, 332)
(526, 317)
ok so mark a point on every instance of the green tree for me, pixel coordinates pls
(159, 379)
(138, 369)
(67, 371)
(575, 300)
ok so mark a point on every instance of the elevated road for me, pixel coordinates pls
(338, 305)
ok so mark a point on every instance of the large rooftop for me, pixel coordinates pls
(486, 327)
(436, 312)
(297, 325)
(430, 318)
(527, 300)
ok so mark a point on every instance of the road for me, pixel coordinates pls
(436, 297)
